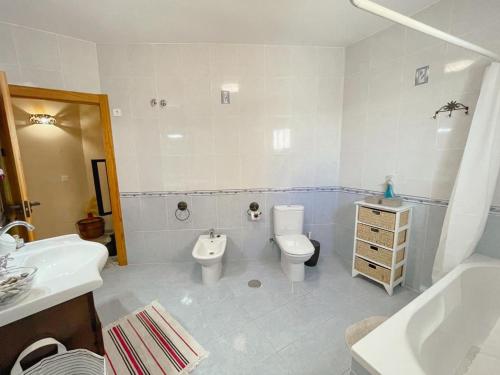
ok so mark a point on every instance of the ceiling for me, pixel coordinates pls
(318, 22)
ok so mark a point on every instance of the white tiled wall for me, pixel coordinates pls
(282, 128)
(154, 235)
(387, 124)
(37, 58)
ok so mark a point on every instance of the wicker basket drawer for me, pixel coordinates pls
(378, 254)
(377, 272)
(379, 218)
(379, 236)
(375, 253)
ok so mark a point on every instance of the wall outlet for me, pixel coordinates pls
(117, 112)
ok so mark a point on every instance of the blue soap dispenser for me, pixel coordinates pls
(389, 190)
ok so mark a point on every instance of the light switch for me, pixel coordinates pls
(117, 112)
(64, 178)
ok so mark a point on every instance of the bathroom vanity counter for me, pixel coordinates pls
(60, 303)
(68, 267)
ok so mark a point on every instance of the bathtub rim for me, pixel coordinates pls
(395, 356)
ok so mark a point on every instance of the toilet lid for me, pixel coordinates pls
(295, 244)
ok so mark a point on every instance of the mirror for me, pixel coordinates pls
(100, 172)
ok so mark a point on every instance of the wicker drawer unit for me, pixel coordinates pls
(380, 243)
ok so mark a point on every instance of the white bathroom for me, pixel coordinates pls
(285, 187)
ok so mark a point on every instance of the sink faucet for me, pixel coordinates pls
(211, 233)
(16, 223)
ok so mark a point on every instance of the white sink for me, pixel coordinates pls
(68, 267)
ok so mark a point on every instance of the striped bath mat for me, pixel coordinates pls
(149, 342)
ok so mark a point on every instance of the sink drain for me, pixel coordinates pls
(254, 284)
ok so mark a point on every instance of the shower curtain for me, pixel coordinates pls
(475, 183)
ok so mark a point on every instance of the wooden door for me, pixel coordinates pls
(18, 204)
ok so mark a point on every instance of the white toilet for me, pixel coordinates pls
(295, 247)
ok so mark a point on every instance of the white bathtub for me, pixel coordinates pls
(451, 328)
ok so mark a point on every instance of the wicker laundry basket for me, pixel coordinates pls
(64, 362)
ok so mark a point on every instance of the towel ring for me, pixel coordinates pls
(254, 206)
(182, 213)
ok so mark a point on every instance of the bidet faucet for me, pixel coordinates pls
(211, 233)
(16, 223)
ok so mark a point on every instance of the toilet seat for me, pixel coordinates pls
(296, 245)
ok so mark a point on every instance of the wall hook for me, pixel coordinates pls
(153, 102)
(450, 107)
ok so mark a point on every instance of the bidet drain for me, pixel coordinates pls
(254, 284)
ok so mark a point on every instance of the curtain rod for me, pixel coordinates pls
(391, 15)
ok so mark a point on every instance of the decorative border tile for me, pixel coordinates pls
(228, 191)
(408, 198)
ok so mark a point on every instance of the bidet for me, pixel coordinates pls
(208, 252)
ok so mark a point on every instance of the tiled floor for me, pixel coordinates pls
(278, 329)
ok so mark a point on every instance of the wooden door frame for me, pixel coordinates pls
(100, 100)
(15, 176)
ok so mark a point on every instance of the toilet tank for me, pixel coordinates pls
(288, 219)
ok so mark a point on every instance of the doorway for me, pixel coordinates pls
(60, 165)
(57, 163)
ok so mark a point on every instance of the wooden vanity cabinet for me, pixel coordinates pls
(74, 323)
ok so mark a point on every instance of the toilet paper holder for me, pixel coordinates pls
(253, 211)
